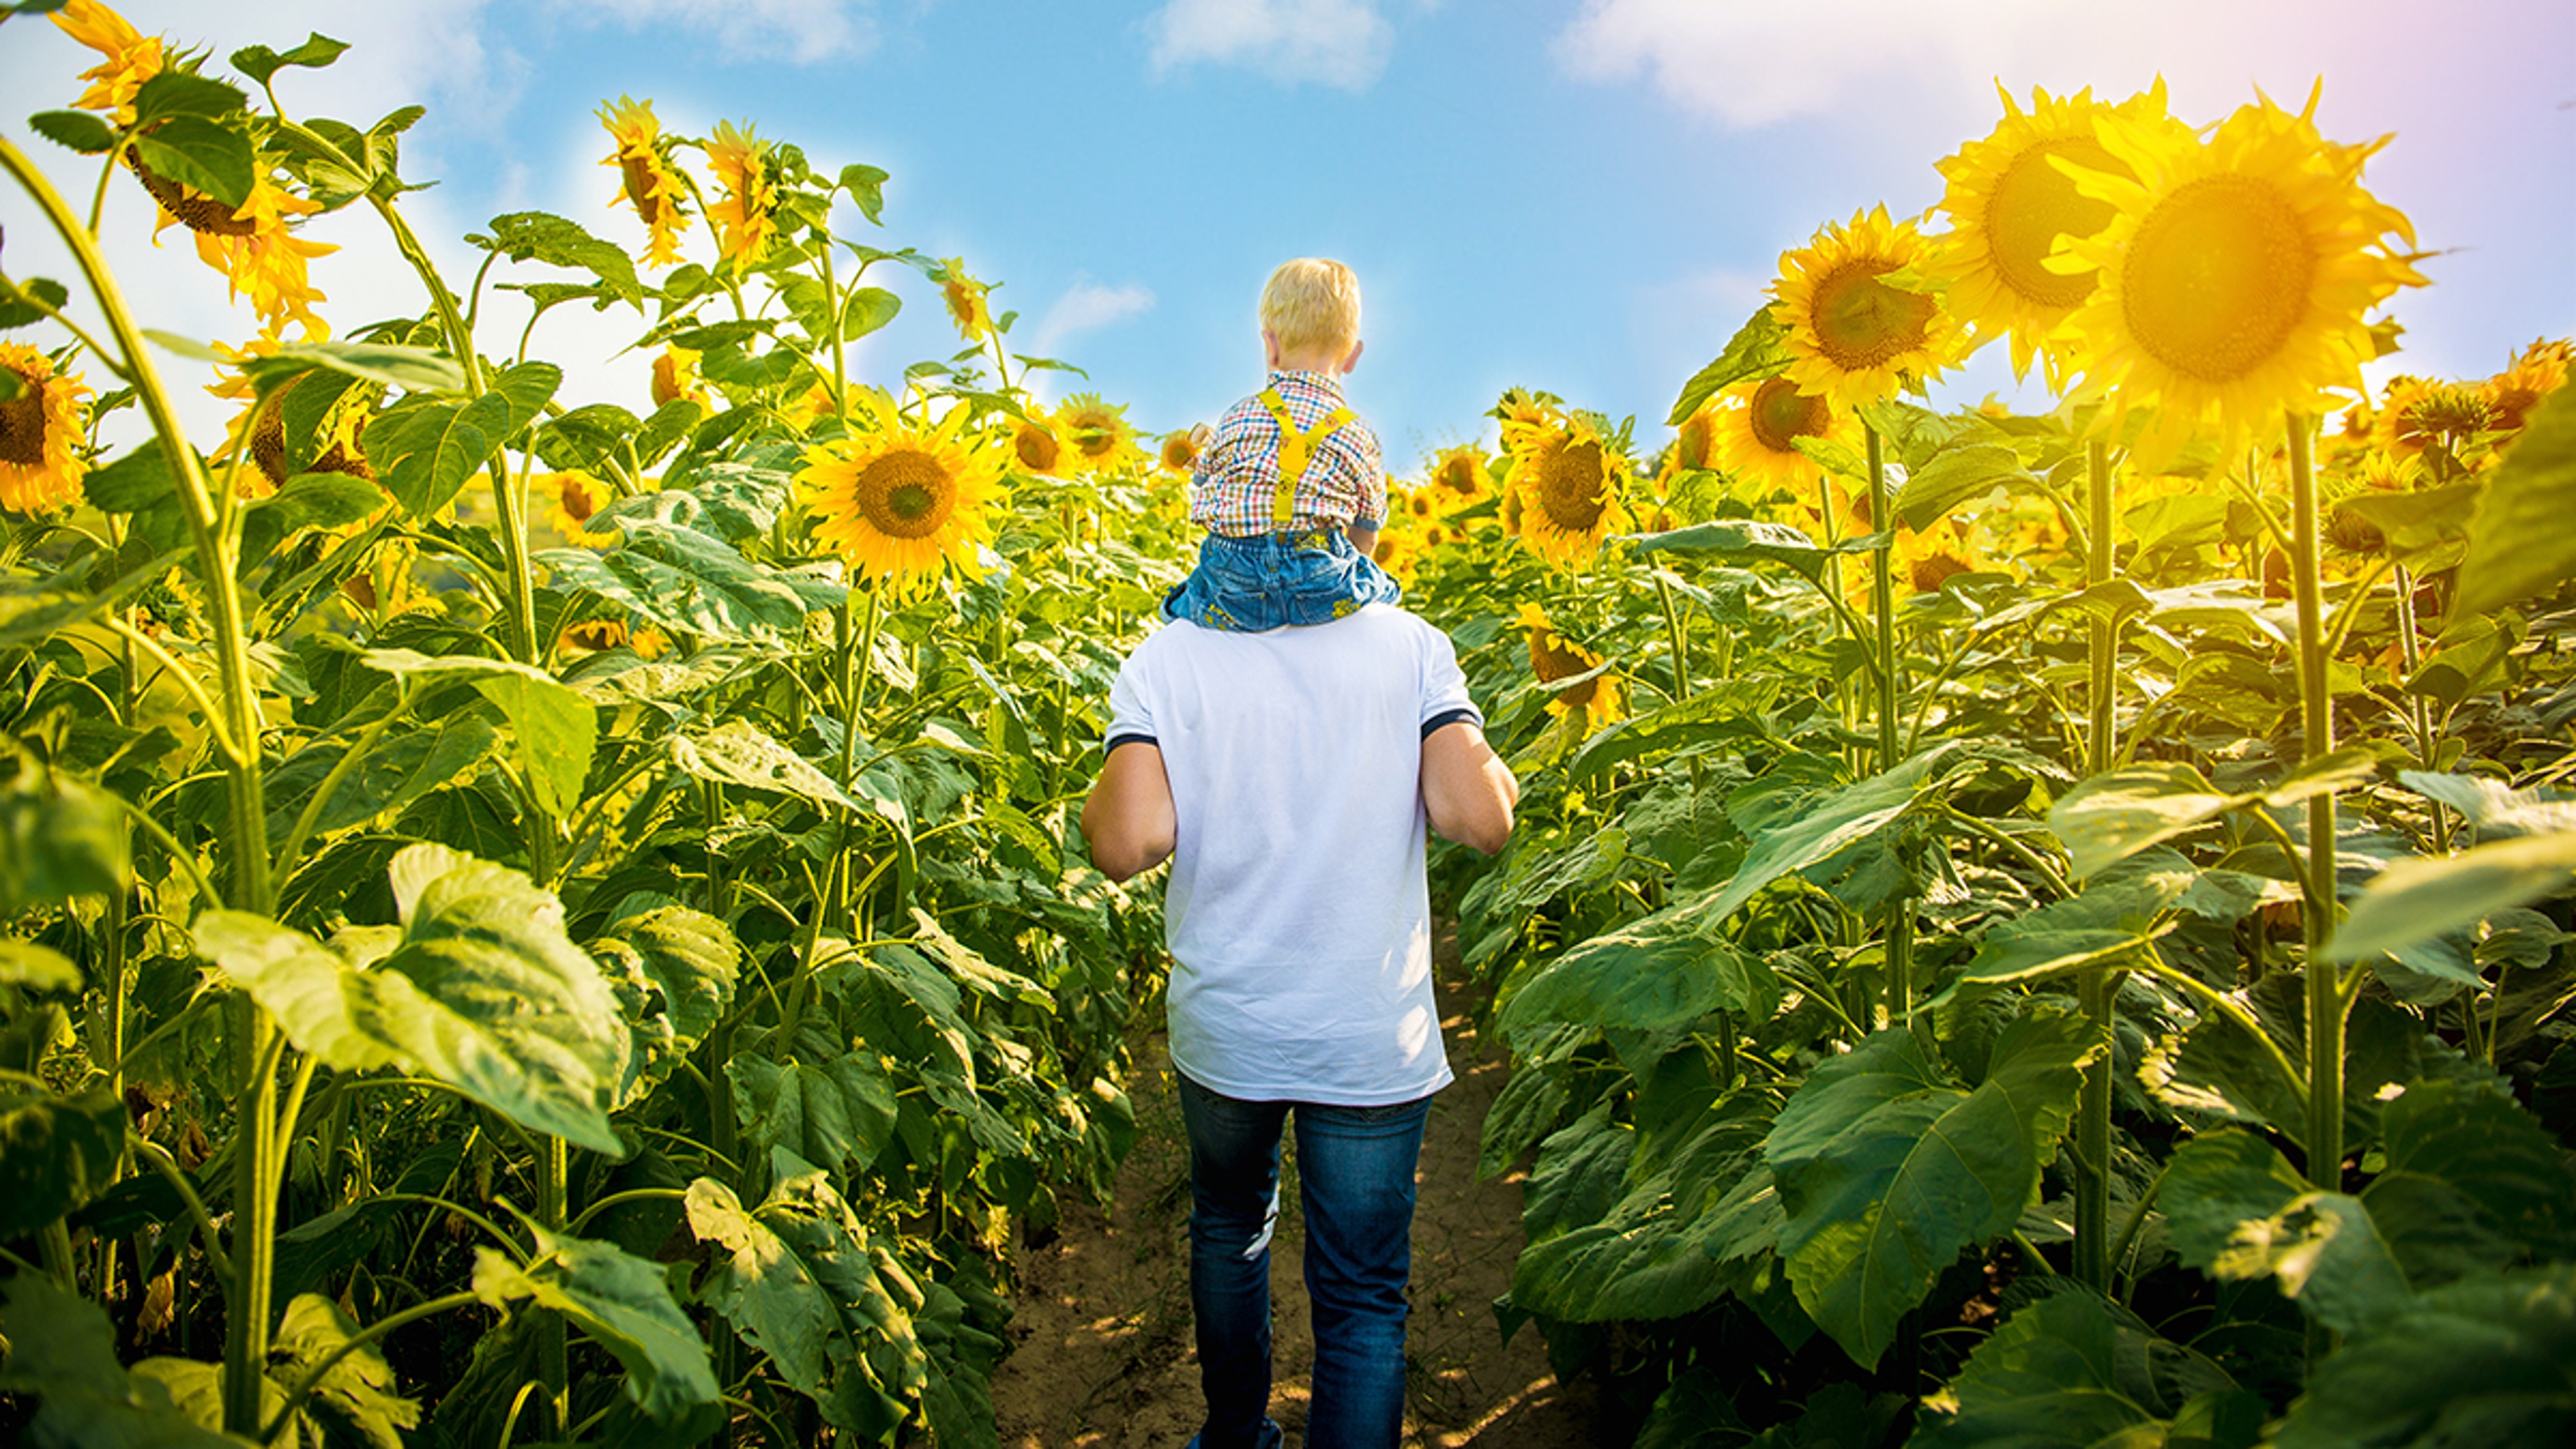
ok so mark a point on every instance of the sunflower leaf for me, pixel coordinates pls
(83, 133)
(1760, 348)
(2517, 544)
(524, 236)
(261, 63)
(202, 155)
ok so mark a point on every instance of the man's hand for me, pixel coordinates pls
(1467, 789)
(1129, 819)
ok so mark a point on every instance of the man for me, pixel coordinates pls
(1289, 776)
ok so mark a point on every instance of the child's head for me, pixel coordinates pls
(1311, 311)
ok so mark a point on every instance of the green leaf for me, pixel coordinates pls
(1665, 1248)
(689, 960)
(173, 93)
(866, 185)
(2473, 1182)
(1958, 474)
(692, 583)
(411, 369)
(1759, 348)
(2217, 1182)
(1656, 974)
(357, 1392)
(19, 310)
(537, 236)
(78, 130)
(1886, 1170)
(2421, 528)
(30, 967)
(261, 63)
(867, 310)
(2073, 1372)
(2517, 546)
(2123, 811)
(1528, 1108)
(620, 1302)
(55, 1154)
(738, 752)
(801, 1280)
(308, 500)
(557, 728)
(481, 990)
(839, 1113)
(2488, 1361)
(1709, 714)
(59, 838)
(2326, 1252)
(1831, 824)
(2220, 1069)
(404, 766)
(203, 155)
(62, 1350)
(2418, 900)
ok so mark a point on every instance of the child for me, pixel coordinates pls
(1290, 488)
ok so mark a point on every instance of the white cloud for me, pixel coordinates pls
(801, 31)
(1749, 65)
(1341, 43)
(1086, 307)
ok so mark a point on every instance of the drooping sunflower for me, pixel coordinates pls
(39, 428)
(1036, 446)
(1553, 657)
(675, 379)
(646, 179)
(2009, 202)
(250, 245)
(1569, 481)
(2538, 371)
(1758, 426)
(745, 218)
(1854, 337)
(1458, 475)
(898, 497)
(965, 300)
(131, 58)
(2235, 277)
(577, 495)
(1097, 437)
(2421, 413)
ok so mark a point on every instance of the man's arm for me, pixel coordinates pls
(1467, 789)
(1129, 819)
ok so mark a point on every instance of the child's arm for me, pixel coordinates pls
(1363, 536)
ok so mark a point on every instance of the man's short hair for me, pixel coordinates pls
(1311, 304)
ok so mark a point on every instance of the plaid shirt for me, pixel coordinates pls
(1232, 485)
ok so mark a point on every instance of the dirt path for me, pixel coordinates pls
(1103, 1358)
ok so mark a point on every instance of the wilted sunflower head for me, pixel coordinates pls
(899, 498)
(1855, 335)
(40, 428)
(964, 296)
(645, 177)
(2235, 276)
(131, 58)
(2010, 202)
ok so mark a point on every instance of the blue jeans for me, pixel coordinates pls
(1274, 580)
(1355, 1182)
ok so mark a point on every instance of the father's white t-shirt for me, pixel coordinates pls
(1297, 913)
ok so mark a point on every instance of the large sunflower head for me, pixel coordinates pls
(250, 244)
(898, 498)
(2234, 277)
(964, 297)
(2009, 201)
(1552, 657)
(745, 218)
(1569, 481)
(1854, 336)
(646, 179)
(39, 430)
(2540, 370)
(1758, 426)
(1097, 437)
(130, 58)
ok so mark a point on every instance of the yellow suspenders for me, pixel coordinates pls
(1295, 448)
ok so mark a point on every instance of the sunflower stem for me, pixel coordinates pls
(1673, 633)
(2327, 999)
(2095, 990)
(1900, 910)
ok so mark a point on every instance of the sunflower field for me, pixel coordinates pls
(544, 919)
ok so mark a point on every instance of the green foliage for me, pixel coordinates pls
(2071, 1371)
(621, 1302)
(2514, 549)
(62, 1350)
(2489, 1360)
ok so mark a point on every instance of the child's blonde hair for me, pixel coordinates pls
(1312, 304)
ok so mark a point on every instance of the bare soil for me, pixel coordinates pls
(1102, 1355)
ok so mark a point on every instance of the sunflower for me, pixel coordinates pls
(644, 641)
(39, 427)
(898, 499)
(2009, 202)
(131, 57)
(1853, 337)
(965, 299)
(648, 182)
(1179, 453)
(2235, 276)
(249, 244)
(1567, 480)
(1458, 475)
(1097, 437)
(577, 496)
(1758, 426)
(1397, 553)
(675, 379)
(1422, 504)
(2421, 413)
(1553, 657)
(1036, 446)
(745, 218)
(2540, 370)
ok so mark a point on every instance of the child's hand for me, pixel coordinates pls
(1201, 435)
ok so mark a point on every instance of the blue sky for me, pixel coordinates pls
(1582, 195)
